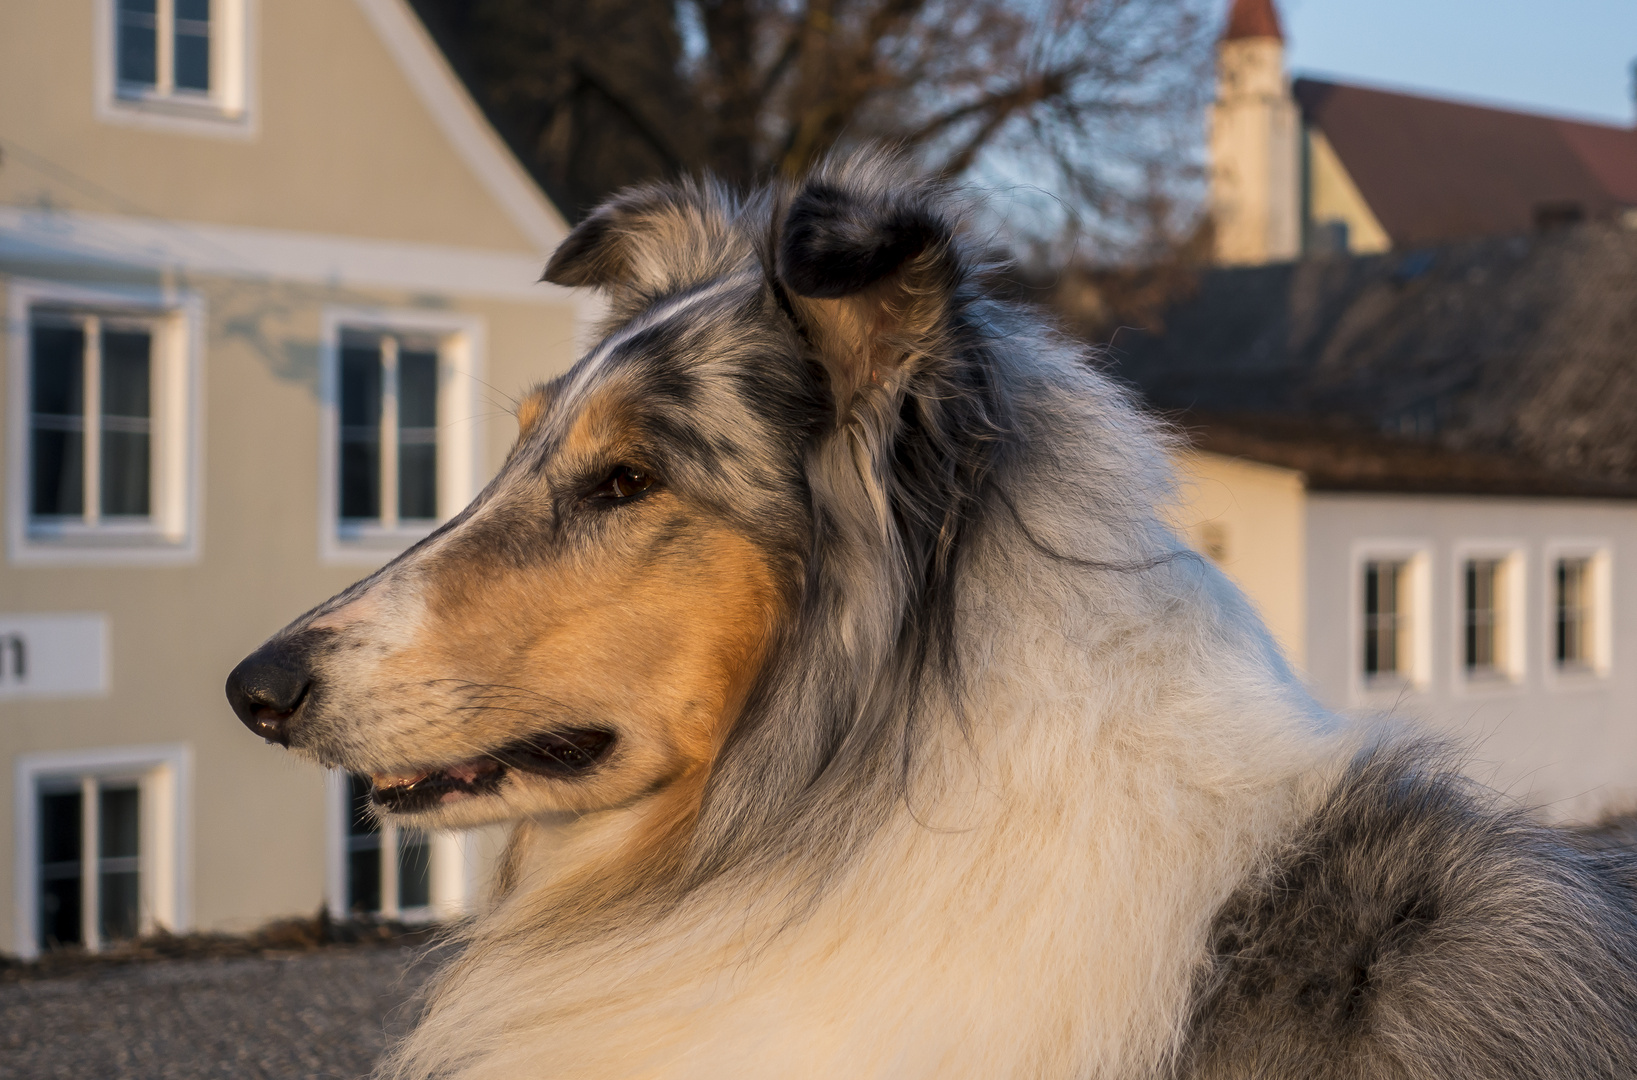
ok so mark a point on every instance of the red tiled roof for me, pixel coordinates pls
(1435, 171)
(1252, 19)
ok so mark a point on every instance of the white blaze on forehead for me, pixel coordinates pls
(674, 308)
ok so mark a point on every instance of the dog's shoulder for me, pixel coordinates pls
(1414, 928)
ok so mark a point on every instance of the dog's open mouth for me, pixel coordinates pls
(562, 754)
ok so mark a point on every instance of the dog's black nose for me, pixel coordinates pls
(266, 689)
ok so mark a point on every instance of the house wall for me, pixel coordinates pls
(1333, 197)
(258, 814)
(1250, 519)
(1566, 742)
(338, 141)
(362, 179)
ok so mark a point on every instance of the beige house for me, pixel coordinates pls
(268, 278)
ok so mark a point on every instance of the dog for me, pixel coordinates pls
(859, 716)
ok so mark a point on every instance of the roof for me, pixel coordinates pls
(1517, 355)
(1252, 19)
(1337, 457)
(1434, 171)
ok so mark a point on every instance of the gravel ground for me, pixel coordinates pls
(327, 1013)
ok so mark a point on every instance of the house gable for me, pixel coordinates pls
(356, 128)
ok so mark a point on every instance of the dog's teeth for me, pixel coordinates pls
(401, 779)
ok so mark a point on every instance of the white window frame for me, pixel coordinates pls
(453, 869)
(460, 427)
(1416, 555)
(170, 535)
(227, 111)
(1597, 553)
(1511, 668)
(164, 774)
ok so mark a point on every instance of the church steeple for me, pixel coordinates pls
(1255, 134)
(1253, 19)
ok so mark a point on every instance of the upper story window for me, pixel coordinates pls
(389, 431)
(1574, 608)
(176, 63)
(1482, 617)
(103, 429)
(400, 434)
(1387, 623)
(1490, 605)
(1578, 592)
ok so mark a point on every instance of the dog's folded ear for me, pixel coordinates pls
(870, 267)
(649, 240)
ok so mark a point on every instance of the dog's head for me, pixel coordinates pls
(589, 631)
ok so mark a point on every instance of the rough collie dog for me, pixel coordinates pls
(860, 717)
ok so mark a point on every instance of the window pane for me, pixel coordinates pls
(126, 366)
(58, 375)
(118, 832)
(1573, 612)
(60, 870)
(363, 849)
(1383, 617)
(126, 408)
(417, 434)
(1481, 620)
(58, 467)
(118, 822)
(138, 42)
(193, 45)
(118, 901)
(414, 869)
(417, 389)
(57, 441)
(360, 408)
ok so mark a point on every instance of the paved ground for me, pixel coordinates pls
(326, 1013)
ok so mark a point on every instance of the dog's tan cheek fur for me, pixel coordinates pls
(664, 653)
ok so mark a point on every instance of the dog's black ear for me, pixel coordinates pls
(869, 260)
(650, 240)
(835, 244)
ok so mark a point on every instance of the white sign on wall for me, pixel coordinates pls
(47, 656)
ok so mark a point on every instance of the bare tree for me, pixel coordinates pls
(1087, 110)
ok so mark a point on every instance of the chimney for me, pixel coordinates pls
(1255, 140)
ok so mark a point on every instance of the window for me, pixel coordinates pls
(1491, 601)
(389, 870)
(378, 869)
(103, 440)
(1577, 594)
(99, 847)
(89, 901)
(389, 431)
(1387, 626)
(91, 417)
(1482, 619)
(175, 62)
(401, 445)
(1574, 613)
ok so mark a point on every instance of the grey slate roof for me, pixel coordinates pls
(1517, 351)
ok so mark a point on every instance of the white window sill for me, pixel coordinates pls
(188, 114)
(372, 545)
(1488, 683)
(135, 543)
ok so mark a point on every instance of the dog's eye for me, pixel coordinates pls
(624, 482)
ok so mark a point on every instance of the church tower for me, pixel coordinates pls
(1255, 139)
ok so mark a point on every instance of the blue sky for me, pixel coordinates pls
(1560, 56)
